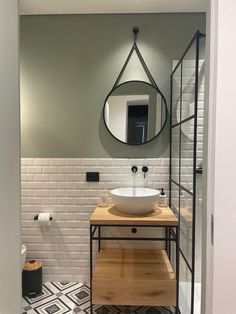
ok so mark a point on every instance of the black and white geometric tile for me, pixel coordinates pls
(74, 297)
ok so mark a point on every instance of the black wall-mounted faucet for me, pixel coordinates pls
(145, 171)
(134, 169)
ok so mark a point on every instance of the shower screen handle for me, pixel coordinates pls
(199, 170)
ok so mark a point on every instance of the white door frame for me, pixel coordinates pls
(220, 157)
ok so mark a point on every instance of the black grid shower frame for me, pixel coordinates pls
(172, 231)
(191, 266)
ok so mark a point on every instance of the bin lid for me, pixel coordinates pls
(32, 265)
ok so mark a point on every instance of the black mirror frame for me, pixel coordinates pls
(165, 105)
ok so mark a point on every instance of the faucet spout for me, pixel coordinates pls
(145, 171)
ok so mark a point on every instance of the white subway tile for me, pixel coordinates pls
(66, 169)
(27, 193)
(106, 177)
(89, 162)
(201, 97)
(26, 208)
(73, 161)
(23, 169)
(24, 185)
(105, 161)
(50, 185)
(74, 193)
(121, 178)
(164, 170)
(84, 169)
(23, 200)
(156, 162)
(85, 200)
(34, 185)
(74, 177)
(42, 193)
(42, 177)
(64, 216)
(164, 178)
(58, 193)
(66, 185)
(59, 208)
(93, 185)
(27, 161)
(42, 161)
(77, 208)
(58, 162)
(123, 169)
(34, 200)
(121, 162)
(27, 177)
(80, 231)
(34, 169)
(50, 169)
(155, 177)
(66, 201)
(50, 201)
(90, 193)
(28, 224)
(58, 177)
(136, 162)
(38, 255)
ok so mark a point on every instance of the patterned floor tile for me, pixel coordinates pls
(31, 312)
(64, 285)
(80, 295)
(106, 309)
(153, 310)
(128, 309)
(53, 307)
(74, 297)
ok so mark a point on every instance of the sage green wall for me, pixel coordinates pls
(69, 64)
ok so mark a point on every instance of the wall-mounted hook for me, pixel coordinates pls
(135, 31)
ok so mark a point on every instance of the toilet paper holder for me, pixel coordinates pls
(37, 218)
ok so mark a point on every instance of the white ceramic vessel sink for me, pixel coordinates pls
(134, 201)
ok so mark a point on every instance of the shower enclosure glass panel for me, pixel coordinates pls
(176, 95)
(186, 134)
(175, 166)
(187, 155)
(185, 288)
(186, 226)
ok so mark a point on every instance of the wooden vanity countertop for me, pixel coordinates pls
(110, 215)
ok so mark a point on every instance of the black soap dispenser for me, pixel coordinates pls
(162, 199)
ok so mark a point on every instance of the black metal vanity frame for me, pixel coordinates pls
(171, 235)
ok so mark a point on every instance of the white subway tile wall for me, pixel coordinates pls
(59, 186)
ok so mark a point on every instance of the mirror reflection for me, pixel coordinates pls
(135, 112)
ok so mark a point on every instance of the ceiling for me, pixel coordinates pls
(36, 7)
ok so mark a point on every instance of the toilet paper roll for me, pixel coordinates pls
(45, 220)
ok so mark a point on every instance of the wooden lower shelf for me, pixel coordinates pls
(133, 277)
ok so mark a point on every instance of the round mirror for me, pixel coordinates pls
(135, 112)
